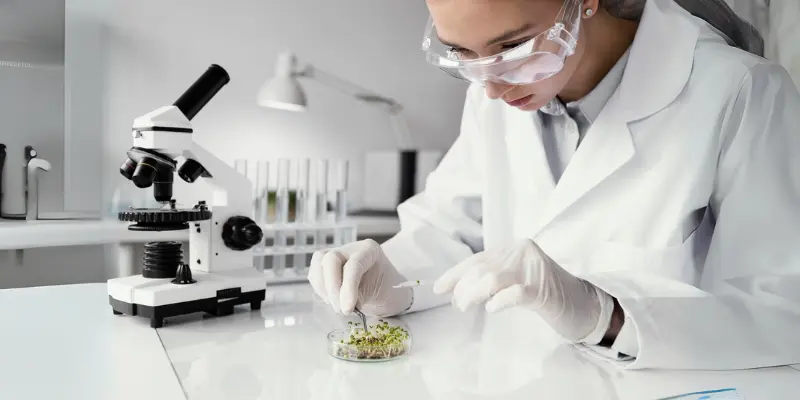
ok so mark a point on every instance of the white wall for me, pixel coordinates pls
(156, 49)
(126, 58)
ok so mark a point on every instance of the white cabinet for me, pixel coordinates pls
(51, 98)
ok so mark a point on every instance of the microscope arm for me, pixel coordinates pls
(230, 188)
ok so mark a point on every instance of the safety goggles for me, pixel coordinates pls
(536, 59)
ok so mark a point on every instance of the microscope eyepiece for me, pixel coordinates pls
(145, 173)
(202, 91)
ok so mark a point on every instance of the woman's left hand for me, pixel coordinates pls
(523, 275)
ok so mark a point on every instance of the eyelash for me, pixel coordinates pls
(512, 45)
(508, 46)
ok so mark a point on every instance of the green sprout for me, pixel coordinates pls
(378, 342)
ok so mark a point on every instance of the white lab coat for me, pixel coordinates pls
(783, 39)
(697, 131)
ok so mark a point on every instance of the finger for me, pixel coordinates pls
(315, 277)
(332, 264)
(508, 297)
(465, 286)
(480, 289)
(354, 269)
(447, 282)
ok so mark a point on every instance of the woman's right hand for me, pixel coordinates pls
(359, 275)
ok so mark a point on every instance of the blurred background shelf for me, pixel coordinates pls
(36, 234)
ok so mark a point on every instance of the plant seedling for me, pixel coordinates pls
(380, 342)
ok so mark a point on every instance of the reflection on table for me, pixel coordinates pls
(279, 353)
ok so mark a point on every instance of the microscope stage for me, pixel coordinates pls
(213, 293)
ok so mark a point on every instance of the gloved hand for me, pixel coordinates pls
(523, 275)
(359, 275)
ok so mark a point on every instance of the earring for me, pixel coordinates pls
(589, 12)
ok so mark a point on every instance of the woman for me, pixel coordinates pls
(642, 197)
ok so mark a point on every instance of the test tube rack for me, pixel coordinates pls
(335, 233)
(297, 218)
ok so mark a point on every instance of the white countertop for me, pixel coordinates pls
(84, 352)
(34, 234)
(62, 342)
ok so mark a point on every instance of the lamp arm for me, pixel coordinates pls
(395, 109)
(346, 87)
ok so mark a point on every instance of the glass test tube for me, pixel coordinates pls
(301, 214)
(321, 203)
(281, 217)
(340, 210)
(262, 192)
(262, 195)
(342, 174)
(241, 166)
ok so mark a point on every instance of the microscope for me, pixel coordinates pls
(219, 273)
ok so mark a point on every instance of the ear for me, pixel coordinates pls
(589, 8)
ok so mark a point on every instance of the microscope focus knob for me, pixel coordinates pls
(241, 233)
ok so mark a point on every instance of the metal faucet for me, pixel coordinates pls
(34, 164)
(32, 187)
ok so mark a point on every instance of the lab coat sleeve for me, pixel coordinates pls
(442, 225)
(746, 312)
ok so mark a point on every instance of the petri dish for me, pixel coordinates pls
(341, 345)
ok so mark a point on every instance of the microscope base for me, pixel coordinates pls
(213, 293)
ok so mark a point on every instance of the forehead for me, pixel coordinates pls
(468, 22)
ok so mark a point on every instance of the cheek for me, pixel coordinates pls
(550, 87)
(542, 91)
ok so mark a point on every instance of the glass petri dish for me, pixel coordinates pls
(339, 347)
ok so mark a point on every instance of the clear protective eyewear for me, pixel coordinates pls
(537, 59)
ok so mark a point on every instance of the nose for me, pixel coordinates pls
(496, 90)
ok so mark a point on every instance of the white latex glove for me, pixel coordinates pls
(523, 275)
(359, 275)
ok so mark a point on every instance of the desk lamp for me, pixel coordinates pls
(284, 92)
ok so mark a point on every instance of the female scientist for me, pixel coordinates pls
(634, 182)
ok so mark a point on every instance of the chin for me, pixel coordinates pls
(533, 105)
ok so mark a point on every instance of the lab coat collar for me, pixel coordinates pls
(661, 59)
(659, 66)
(592, 104)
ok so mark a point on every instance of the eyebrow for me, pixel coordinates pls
(503, 37)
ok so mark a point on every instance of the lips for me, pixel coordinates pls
(520, 102)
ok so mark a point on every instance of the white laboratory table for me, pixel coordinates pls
(63, 342)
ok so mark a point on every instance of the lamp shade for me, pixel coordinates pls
(283, 94)
(283, 91)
